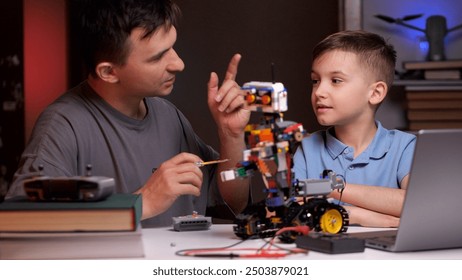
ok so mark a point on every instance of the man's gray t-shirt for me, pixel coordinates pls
(80, 128)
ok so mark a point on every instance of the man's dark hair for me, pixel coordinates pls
(373, 51)
(107, 24)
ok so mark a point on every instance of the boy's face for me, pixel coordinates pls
(341, 89)
(151, 65)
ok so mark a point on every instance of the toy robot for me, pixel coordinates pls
(288, 202)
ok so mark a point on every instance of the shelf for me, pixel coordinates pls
(429, 85)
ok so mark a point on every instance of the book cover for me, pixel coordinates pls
(435, 115)
(418, 125)
(440, 64)
(443, 74)
(434, 104)
(71, 245)
(116, 213)
(434, 95)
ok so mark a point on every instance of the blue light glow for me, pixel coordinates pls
(423, 45)
(412, 44)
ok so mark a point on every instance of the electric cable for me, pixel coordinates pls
(268, 250)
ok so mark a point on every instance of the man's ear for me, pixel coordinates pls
(379, 92)
(105, 71)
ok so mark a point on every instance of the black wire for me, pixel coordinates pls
(341, 191)
(181, 252)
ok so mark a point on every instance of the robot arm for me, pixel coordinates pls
(321, 187)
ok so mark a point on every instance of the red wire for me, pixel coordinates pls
(300, 229)
(261, 252)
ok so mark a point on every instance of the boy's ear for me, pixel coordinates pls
(105, 71)
(379, 92)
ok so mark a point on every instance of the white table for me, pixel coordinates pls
(162, 243)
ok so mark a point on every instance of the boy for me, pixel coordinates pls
(352, 72)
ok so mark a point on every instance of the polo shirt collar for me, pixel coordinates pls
(377, 149)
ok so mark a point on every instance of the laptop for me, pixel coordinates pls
(432, 211)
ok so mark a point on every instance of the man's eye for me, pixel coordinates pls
(155, 58)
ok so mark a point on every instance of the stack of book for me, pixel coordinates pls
(437, 103)
(434, 107)
(71, 230)
(436, 70)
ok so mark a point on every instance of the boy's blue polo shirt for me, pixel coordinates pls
(385, 162)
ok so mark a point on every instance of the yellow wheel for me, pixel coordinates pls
(331, 221)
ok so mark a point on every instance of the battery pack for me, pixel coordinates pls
(330, 243)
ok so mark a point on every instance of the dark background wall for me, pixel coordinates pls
(264, 32)
(11, 89)
(283, 32)
(39, 57)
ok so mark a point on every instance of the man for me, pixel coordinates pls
(117, 121)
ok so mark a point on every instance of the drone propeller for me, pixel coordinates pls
(401, 21)
(455, 28)
(386, 18)
(411, 17)
(398, 20)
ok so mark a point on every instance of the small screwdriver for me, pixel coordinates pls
(204, 163)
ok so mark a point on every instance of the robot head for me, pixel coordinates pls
(266, 97)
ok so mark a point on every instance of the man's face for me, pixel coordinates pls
(151, 65)
(341, 89)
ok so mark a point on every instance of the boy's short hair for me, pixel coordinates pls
(372, 50)
(107, 24)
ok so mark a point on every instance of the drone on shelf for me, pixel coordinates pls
(435, 30)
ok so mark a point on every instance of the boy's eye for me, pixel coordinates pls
(314, 81)
(336, 81)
